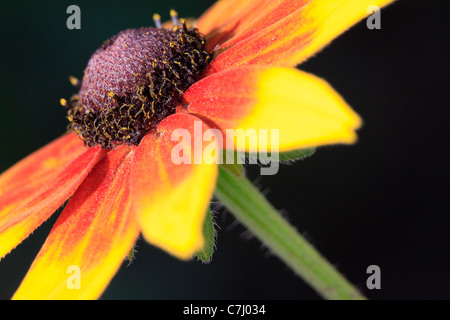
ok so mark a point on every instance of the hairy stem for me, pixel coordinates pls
(250, 208)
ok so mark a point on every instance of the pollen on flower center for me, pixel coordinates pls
(133, 81)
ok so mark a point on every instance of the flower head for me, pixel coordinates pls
(152, 68)
(233, 70)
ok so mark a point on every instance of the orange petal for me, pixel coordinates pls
(90, 239)
(228, 17)
(303, 110)
(290, 32)
(172, 185)
(220, 13)
(33, 189)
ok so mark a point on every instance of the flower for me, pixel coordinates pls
(119, 190)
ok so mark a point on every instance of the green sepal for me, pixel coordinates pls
(130, 255)
(209, 236)
(287, 156)
(298, 154)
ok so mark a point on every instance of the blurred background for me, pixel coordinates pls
(383, 201)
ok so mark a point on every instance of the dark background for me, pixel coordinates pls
(383, 201)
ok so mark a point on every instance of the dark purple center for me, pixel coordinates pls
(133, 81)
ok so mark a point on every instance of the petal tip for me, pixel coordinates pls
(182, 249)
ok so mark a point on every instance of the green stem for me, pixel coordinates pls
(249, 207)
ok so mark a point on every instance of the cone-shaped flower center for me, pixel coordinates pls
(133, 81)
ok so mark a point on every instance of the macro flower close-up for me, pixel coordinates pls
(151, 123)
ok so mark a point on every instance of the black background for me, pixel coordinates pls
(383, 201)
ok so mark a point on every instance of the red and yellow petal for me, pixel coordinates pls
(172, 185)
(223, 12)
(305, 109)
(227, 18)
(90, 239)
(33, 189)
(273, 12)
(289, 33)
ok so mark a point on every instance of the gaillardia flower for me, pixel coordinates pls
(232, 69)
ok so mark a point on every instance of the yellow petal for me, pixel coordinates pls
(90, 239)
(305, 109)
(291, 32)
(171, 198)
(331, 18)
(33, 189)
